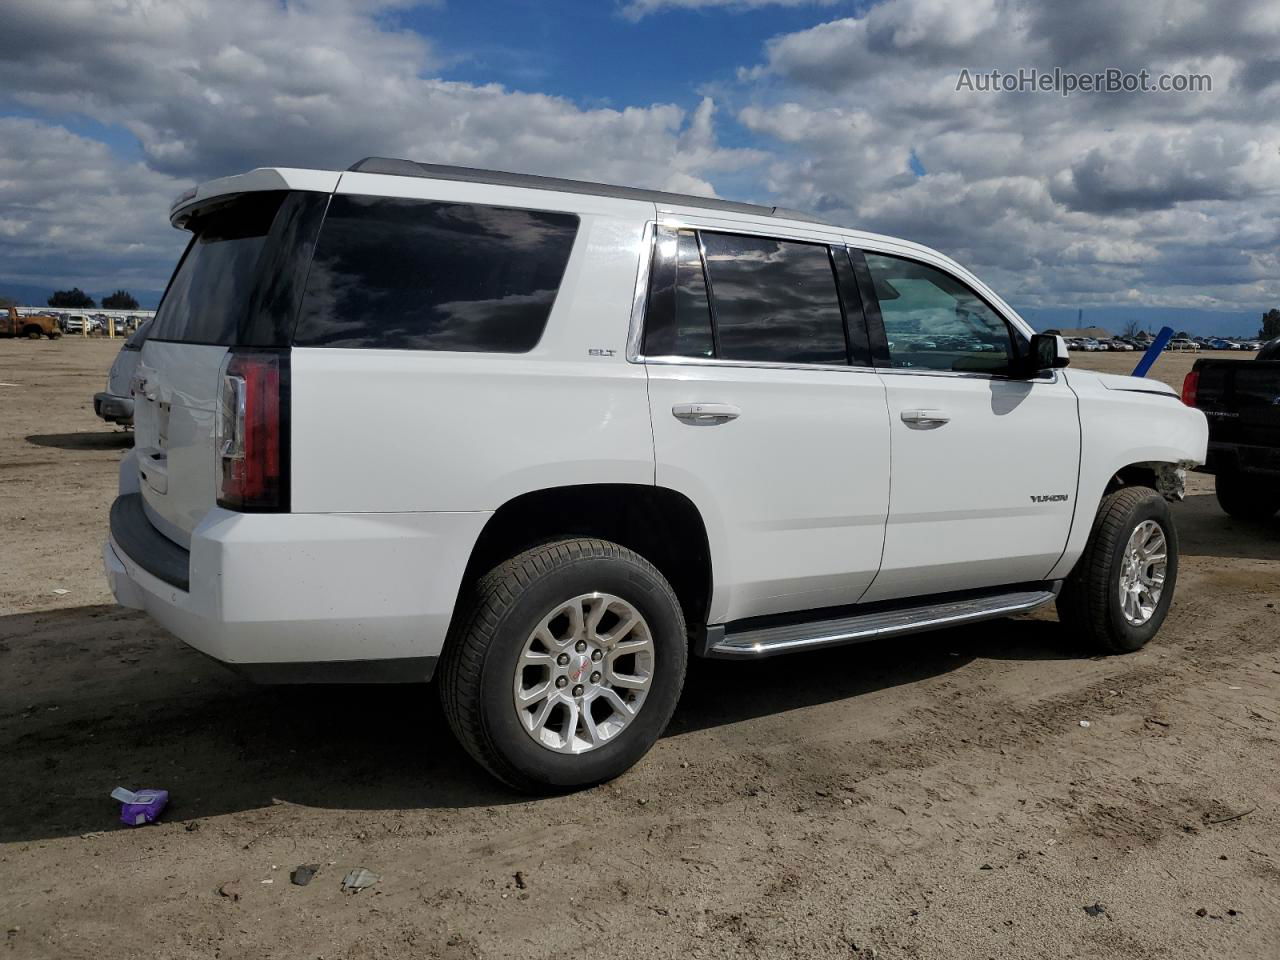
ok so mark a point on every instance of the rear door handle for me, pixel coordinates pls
(705, 414)
(933, 418)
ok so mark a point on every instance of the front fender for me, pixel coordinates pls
(1122, 428)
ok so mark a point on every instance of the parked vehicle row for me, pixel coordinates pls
(98, 323)
(1221, 343)
(1190, 344)
(76, 323)
(1091, 345)
(1212, 343)
(547, 439)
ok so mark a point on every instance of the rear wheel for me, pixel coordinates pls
(33, 333)
(566, 666)
(1247, 496)
(1120, 590)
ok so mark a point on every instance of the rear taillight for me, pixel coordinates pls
(1190, 387)
(252, 432)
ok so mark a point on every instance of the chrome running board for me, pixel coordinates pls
(767, 641)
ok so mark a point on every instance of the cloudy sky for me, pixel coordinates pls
(1150, 205)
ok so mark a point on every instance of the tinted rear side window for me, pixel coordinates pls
(681, 327)
(422, 275)
(208, 297)
(774, 300)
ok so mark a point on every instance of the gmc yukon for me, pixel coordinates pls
(543, 440)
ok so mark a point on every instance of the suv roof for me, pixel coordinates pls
(436, 171)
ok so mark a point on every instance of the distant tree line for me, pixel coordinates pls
(78, 299)
(1270, 325)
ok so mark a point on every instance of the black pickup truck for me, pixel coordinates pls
(1241, 399)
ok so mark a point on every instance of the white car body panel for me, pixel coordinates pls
(254, 181)
(1125, 421)
(819, 433)
(173, 413)
(552, 417)
(961, 514)
(524, 425)
(281, 588)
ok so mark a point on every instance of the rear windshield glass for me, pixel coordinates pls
(422, 275)
(208, 297)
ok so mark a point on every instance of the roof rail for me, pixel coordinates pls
(437, 171)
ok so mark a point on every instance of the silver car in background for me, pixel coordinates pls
(115, 404)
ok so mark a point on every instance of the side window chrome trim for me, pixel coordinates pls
(640, 298)
(1050, 377)
(751, 364)
(711, 293)
(748, 228)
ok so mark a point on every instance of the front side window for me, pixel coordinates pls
(935, 322)
(774, 300)
(421, 275)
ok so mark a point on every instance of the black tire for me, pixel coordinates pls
(1089, 604)
(33, 333)
(505, 605)
(1247, 496)
(55, 334)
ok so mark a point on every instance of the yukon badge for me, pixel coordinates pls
(1049, 497)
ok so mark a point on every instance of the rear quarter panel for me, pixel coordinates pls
(404, 430)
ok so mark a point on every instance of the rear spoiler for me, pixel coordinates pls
(263, 178)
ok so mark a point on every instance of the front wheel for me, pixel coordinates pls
(1120, 590)
(566, 666)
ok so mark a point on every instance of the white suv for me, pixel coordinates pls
(544, 439)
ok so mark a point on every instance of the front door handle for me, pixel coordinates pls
(927, 418)
(705, 414)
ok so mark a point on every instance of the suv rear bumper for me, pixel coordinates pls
(301, 597)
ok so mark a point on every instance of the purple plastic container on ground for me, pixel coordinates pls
(141, 806)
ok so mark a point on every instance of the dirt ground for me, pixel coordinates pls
(936, 797)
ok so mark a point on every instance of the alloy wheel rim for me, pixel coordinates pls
(584, 673)
(1142, 572)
